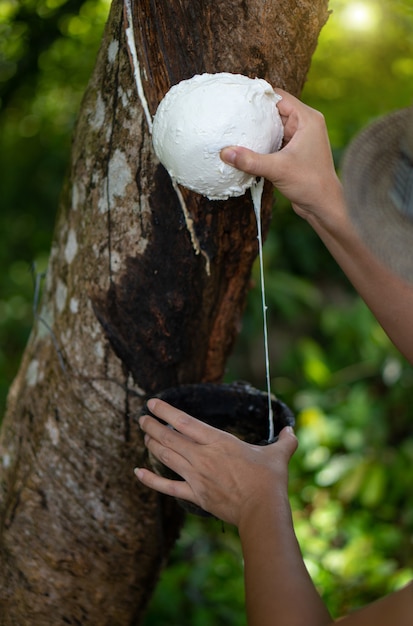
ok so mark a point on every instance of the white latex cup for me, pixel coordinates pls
(200, 116)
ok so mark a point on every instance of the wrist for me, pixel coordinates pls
(265, 510)
(329, 213)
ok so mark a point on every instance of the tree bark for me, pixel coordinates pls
(144, 291)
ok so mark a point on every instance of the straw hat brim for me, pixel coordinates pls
(368, 172)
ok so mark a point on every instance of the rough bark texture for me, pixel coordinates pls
(140, 295)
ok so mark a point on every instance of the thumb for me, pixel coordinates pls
(288, 440)
(249, 161)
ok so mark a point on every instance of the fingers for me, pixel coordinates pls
(281, 450)
(293, 113)
(175, 488)
(252, 162)
(178, 447)
(288, 103)
(288, 107)
(182, 422)
(170, 448)
(217, 475)
(249, 161)
(295, 116)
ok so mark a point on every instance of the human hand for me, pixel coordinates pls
(222, 474)
(303, 170)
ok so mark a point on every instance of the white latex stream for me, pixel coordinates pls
(256, 194)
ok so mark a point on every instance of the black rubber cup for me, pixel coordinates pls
(237, 408)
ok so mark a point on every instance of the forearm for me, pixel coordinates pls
(388, 297)
(303, 171)
(394, 609)
(279, 590)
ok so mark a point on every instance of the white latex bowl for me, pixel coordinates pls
(200, 116)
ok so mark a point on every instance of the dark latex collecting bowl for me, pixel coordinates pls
(237, 408)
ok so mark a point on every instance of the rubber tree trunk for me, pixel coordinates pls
(144, 291)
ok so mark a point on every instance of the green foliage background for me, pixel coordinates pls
(351, 477)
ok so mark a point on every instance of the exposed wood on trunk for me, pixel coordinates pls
(138, 297)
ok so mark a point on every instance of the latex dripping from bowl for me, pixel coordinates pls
(196, 119)
(199, 117)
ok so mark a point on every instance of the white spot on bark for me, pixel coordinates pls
(6, 460)
(32, 373)
(74, 305)
(144, 208)
(49, 272)
(103, 197)
(120, 175)
(124, 96)
(75, 197)
(71, 246)
(99, 350)
(78, 195)
(98, 118)
(61, 295)
(129, 121)
(66, 336)
(97, 509)
(113, 50)
(45, 322)
(96, 330)
(141, 247)
(53, 431)
(115, 261)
